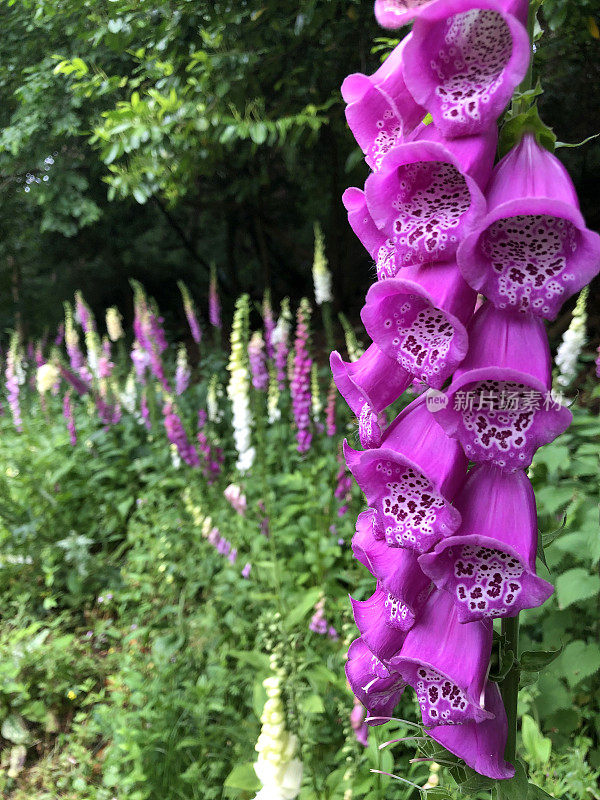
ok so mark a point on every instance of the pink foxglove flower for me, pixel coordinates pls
(426, 195)
(464, 60)
(190, 312)
(381, 111)
(499, 404)
(330, 410)
(236, 498)
(418, 319)
(256, 358)
(480, 744)
(269, 324)
(68, 415)
(488, 565)
(448, 668)
(400, 578)
(369, 385)
(378, 688)
(532, 251)
(182, 371)
(178, 437)
(357, 721)
(214, 304)
(300, 384)
(410, 480)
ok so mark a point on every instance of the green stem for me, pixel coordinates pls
(527, 82)
(510, 685)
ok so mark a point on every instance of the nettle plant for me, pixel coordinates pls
(451, 531)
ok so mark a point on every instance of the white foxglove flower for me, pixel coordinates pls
(46, 377)
(238, 389)
(572, 344)
(277, 769)
(320, 271)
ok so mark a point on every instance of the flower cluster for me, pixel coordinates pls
(236, 498)
(47, 378)
(190, 312)
(214, 304)
(277, 768)
(451, 550)
(320, 270)
(212, 455)
(280, 340)
(114, 327)
(318, 622)
(572, 343)
(182, 371)
(300, 384)
(178, 437)
(150, 342)
(212, 534)
(68, 415)
(15, 377)
(238, 387)
(258, 363)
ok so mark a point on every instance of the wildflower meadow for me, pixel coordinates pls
(301, 500)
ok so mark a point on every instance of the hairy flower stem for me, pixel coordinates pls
(527, 82)
(510, 685)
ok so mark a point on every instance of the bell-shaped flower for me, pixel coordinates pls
(446, 663)
(488, 566)
(369, 385)
(464, 60)
(381, 111)
(372, 620)
(426, 195)
(499, 403)
(532, 251)
(481, 745)
(397, 570)
(378, 245)
(410, 480)
(378, 689)
(418, 319)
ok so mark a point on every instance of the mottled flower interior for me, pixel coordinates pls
(496, 419)
(441, 701)
(432, 198)
(418, 336)
(487, 581)
(391, 131)
(413, 514)
(399, 614)
(476, 46)
(529, 257)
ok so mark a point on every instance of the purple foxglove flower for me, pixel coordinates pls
(246, 570)
(177, 436)
(60, 334)
(464, 60)
(418, 320)
(80, 386)
(410, 480)
(369, 385)
(499, 404)
(214, 304)
(378, 689)
(378, 245)
(269, 324)
(532, 251)
(371, 617)
(145, 411)
(381, 111)
(357, 721)
(597, 362)
(426, 195)
(446, 663)
(258, 366)
(481, 745)
(405, 585)
(488, 566)
(300, 383)
(68, 415)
